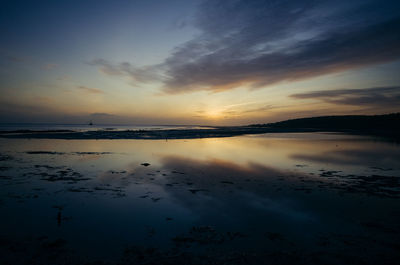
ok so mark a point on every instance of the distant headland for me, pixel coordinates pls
(387, 125)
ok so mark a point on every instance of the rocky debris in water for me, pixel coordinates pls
(330, 173)
(63, 174)
(44, 153)
(5, 157)
(227, 182)
(48, 167)
(381, 168)
(42, 250)
(72, 178)
(117, 192)
(377, 185)
(194, 191)
(118, 195)
(65, 153)
(386, 186)
(177, 172)
(117, 172)
(204, 235)
(59, 213)
(139, 255)
(92, 153)
(81, 189)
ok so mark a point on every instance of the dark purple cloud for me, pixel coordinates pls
(137, 74)
(90, 90)
(258, 43)
(382, 97)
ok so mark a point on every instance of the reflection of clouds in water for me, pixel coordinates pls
(217, 168)
(284, 207)
(232, 190)
(353, 157)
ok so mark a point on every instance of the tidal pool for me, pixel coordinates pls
(263, 199)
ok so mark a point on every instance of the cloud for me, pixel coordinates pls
(259, 43)
(101, 114)
(91, 90)
(246, 109)
(137, 74)
(384, 97)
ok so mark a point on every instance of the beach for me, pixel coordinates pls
(200, 132)
(320, 198)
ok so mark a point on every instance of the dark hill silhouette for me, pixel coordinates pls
(387, 123)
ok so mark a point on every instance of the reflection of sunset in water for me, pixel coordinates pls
(248, 193)
(279, 150)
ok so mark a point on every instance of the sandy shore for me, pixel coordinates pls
(178, 133)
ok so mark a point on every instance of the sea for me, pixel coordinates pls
(94, 127)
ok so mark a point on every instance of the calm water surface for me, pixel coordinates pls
(336, 195)
(94, 127)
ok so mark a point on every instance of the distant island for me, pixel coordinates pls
(387, 125)
(374, 124)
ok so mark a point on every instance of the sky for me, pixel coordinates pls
(217, 62)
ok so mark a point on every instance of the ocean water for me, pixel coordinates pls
(309, 197)
(94, 127)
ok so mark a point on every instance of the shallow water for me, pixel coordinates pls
(326, 196)
(94, 127)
